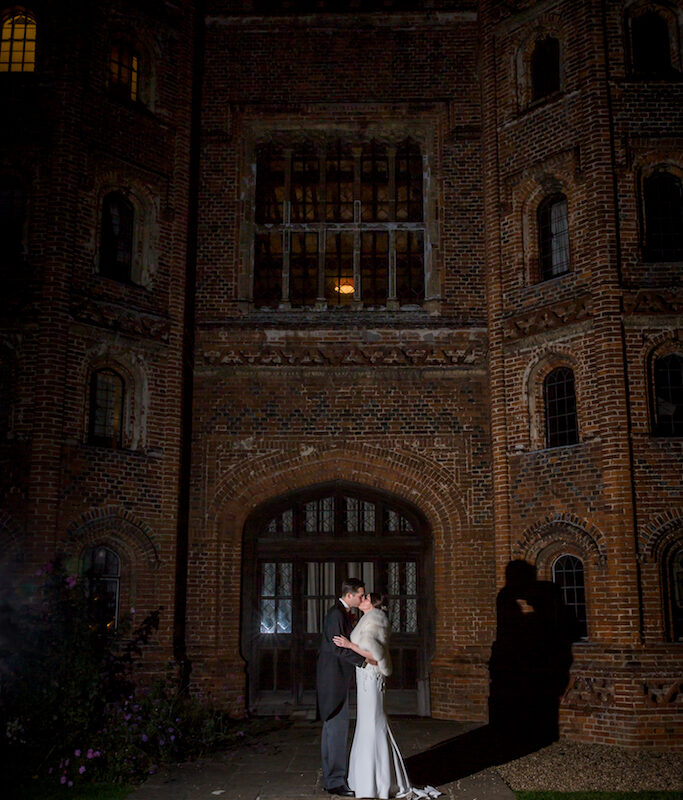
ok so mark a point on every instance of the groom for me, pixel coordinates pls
(335, 670)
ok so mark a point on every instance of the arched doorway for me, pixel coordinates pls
(297, 549)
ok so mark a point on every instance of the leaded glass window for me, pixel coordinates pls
(545, 68)
(18, 42)
(276, 598)
(560, 408)
(338, 224)
(569, 576)
(663, 194)
(106, 408)
(123, 71)
(674, 583)
(116, 241)
(402, 595)
(104, 578)
(650, 41)
(668, 395)
(553, 237)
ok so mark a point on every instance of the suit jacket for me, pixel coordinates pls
(335, 664)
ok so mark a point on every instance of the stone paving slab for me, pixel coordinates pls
(285, 765)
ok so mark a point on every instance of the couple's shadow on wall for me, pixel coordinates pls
(529, 673)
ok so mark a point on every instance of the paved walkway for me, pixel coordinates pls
(285, 765)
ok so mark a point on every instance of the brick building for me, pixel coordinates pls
(297, 289)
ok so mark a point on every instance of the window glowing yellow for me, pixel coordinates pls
(123, 72)
(18, 43)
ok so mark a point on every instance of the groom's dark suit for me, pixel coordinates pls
(335, 670)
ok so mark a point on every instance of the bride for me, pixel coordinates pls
(376, 767)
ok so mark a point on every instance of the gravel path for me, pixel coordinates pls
(573, 767)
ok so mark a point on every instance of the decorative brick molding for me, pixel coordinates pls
(585, 693)
(557, 528)
(107, 315)
(660, 534)
(548, 318)
(417, 355)
(114, 523)
(660, 301)
(660, 692)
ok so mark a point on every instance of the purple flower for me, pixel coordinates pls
(71, 581)
(66, 762)
(77, 753)
(81, 770)
(173, 738)
(144, 737)
(97, 754)
(62, 779)
(90, 753)
(70, 783)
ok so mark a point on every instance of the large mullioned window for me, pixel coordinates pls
(18, 42)
(339, 225)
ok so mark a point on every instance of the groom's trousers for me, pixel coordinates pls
(333, 746)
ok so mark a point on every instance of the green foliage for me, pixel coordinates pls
(72, 709)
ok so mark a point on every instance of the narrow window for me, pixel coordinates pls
(339, 224)
(104, 580)
(553, 237)
(12, 219)
(545, 68)
(663, 217)
(651, 50)
(569, 576)
(668, 395)
(276, 598)
(560, 408)
(106, 408)
(18, 43)
(5, 398)
(123, 72)
(116, 243)
(674, 590)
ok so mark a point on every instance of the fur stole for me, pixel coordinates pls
(372, 634)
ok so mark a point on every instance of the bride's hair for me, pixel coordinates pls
(379, 601)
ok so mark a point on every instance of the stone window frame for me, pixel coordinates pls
(133, 414)
(145, 255)
(674, 19)
(646, 171)
(523, 67)
(548, 186)
(9, 13)
(534, 390)
(389, 133)
(666, 348)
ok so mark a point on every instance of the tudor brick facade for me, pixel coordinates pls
(431, 407)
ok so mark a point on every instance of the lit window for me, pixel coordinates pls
(560, 408)
(569, 576)
(12, 219)
(553, 237)
(340, 227)
(18, 44)
(651, 50)
(116, 242)
(123, 72)
(668, 399)
(106, 408)
(104, 578)
(663, 217)
(545, 68)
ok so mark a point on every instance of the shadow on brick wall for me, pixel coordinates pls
(529, 671)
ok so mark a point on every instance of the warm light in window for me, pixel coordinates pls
(345, 287)
(18, 44)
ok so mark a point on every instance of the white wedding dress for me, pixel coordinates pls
(376, 767)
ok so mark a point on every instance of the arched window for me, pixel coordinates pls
(668, 395)
(560, 408)
(116, 241)
(106, 408)
(18, 43)
(553, 237)
(568, 574)
(12, 218)
(545, 68)
(663, 195)
(123, 71)
(650, 45)
(673, 583)
(103, 570)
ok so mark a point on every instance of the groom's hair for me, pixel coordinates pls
(351, 586)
